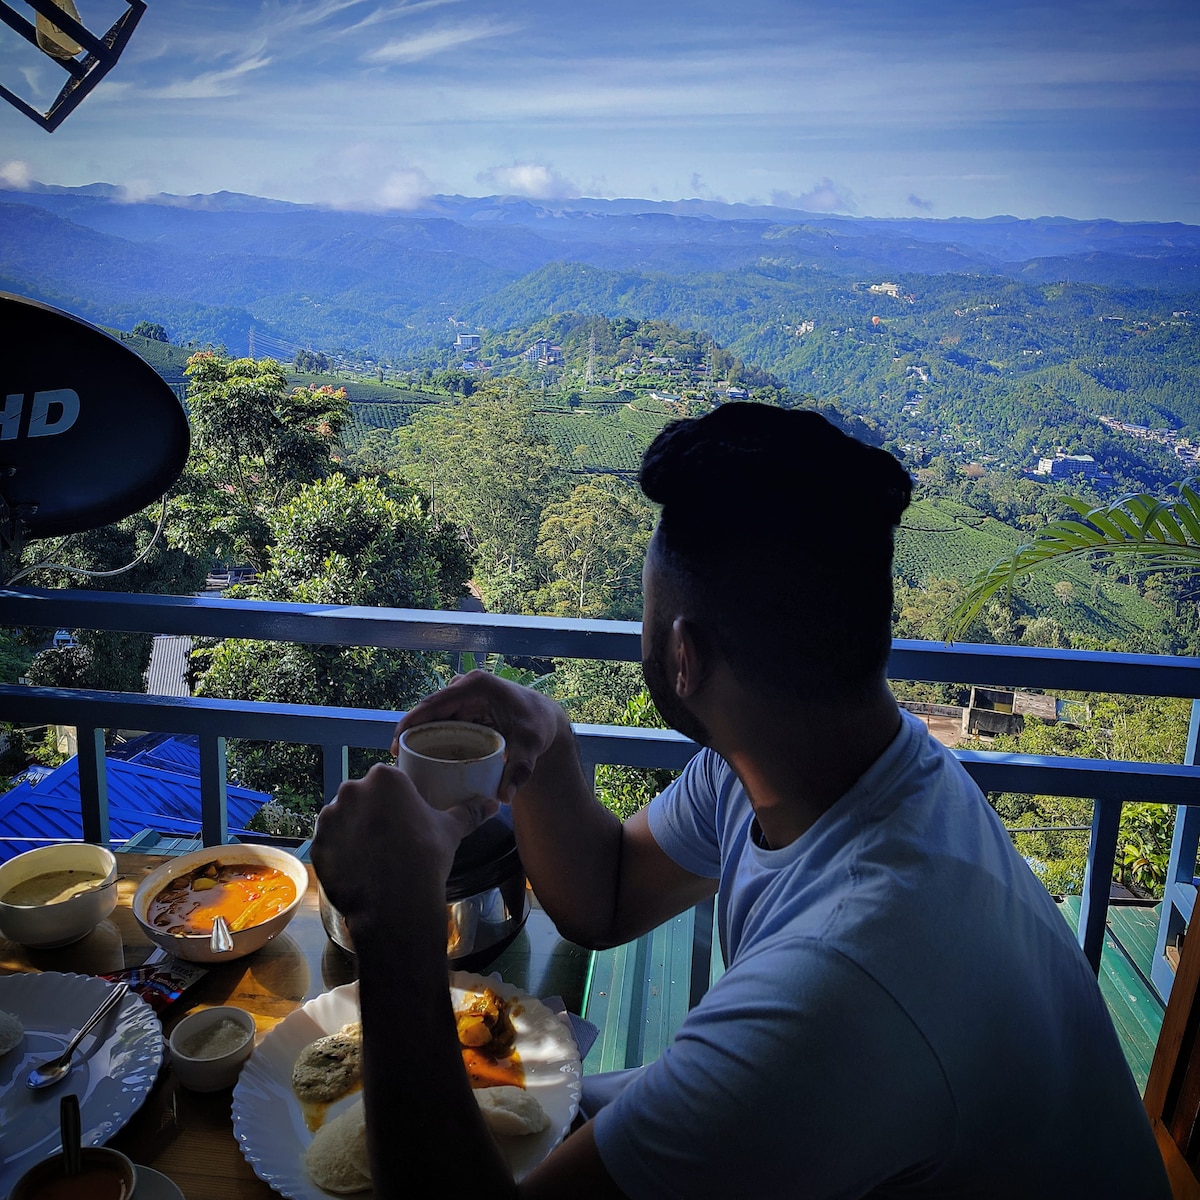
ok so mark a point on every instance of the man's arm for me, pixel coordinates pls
(602, 882)
(380, 850)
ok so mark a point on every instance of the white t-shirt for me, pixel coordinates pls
(903, 1013)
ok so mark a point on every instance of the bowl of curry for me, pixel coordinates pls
(257, 889)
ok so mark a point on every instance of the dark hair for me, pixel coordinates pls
(776, 537)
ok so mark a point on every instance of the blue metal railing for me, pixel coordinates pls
(1108, 783)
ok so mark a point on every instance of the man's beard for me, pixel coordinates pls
(671, 708)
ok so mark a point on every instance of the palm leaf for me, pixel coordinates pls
(1160, 534)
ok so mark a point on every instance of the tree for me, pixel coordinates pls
(151, 330)
(612, 693)
(365, 543)
(1127, 728)
(483, 467)
(1145, 531)
(98, 659)
(594, 543)
(254, 446)
(311, 362)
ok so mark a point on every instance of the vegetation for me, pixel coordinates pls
(337, 542)
(255, 445)
(483, 467)
(1153, 533)
(393, 461)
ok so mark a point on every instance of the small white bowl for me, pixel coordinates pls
(209, 1074)
(63, 921)
(196, 947)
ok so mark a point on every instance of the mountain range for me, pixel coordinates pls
(386, 282)
(1010, 333)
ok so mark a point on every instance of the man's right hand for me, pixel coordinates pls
(600, 881)
(529, 722)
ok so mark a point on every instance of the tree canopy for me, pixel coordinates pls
(364, 542)
(483, 467)
(255, 444)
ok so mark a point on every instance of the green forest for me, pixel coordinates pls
(515, 483)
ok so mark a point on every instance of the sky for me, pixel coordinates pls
(877, 108)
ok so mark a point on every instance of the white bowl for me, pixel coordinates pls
(63, 921)
(196, 947)
(209, 1074)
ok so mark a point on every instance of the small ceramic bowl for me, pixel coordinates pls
(197, 947)
(57, 922)
(198, 1057)
(105, 1172)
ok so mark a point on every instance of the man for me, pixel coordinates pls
(903, 1012)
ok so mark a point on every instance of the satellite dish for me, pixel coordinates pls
(89, 431)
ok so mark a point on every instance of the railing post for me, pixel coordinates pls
(1179, 890)
(335, 767)
(214, 821)
(93, 784)
(702, 941)
(1097, 879)
(589, 772)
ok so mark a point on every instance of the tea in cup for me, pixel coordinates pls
(451, 761)
(104, 1174)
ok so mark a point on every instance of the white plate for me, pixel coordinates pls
(113, 1069)
(154, 1185)
(268, 1119)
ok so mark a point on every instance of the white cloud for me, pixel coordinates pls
(211, 85)
(16, 174)
(825, 196)
(392, 12)
(405, 188)
(134, 191)
(529, 179)
(433, 42)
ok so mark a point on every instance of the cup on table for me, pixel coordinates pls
(105, 1174)
(451, 761)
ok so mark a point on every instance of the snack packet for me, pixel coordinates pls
(161, 979)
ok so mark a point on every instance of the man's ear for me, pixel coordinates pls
(690, 666)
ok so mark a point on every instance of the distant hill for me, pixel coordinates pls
(1001, 339)
(946, 540)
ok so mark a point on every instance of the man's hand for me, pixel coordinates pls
(380, 849)
(528, 721)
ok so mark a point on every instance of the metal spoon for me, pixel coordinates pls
(222, 939)
(54, 1069)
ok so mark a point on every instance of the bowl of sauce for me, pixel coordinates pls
(104, 1174)
(55, 895)
(257, 889)
(209, 1047)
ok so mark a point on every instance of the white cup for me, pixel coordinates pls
(103, 1172)
(451, 761)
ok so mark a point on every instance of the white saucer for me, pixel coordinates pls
(154, 1185)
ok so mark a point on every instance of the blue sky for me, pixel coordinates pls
(867, 107)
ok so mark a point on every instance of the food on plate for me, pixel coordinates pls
(52, 887)
(336, 1159)
(488, 1040)
(328, 1068)
(244, 893)
(511, 1111)
(11, 1031)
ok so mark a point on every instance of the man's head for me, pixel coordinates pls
(775, 544)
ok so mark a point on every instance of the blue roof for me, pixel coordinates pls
(178, 754)
(140, 796)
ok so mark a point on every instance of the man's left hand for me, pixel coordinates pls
(379, 849)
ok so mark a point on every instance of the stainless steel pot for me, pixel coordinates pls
(487, 902)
